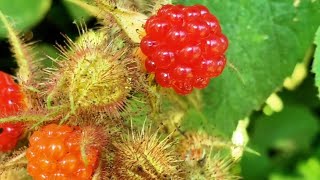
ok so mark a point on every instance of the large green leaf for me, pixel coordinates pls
(24, 13)
(267, 38)
(316, 62)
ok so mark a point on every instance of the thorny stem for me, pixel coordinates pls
(20, 53)
(83, 154)
(65, 118)
(54, 91)
(25, 118)
(32, 89)
(49, 116)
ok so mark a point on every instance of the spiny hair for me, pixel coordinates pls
(147, 7)
(194, 146)
(93, 76)
(215, 167)
(145, 155)
(133, 5)
(205, 156)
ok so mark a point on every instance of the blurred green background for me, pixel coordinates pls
(288, 141)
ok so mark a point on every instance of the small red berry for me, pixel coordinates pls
(200, 82)
(211, 67)
(202, 9)
(11, 102)
(198, 28)
(192, 12)
(175, 15)
(176, 38)
(165, 57)
(163, 78)
(212, 22)
(182, 73)
(163, 11)
(148, 45)
(182, 87)
(150, 65)
(54, 153)
(215, 45)
(184, 46)
(189, 54)
(158, 28)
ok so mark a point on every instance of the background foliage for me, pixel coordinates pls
(267, 40)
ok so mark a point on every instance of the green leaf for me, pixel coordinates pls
(305, 94)
(290, 130)
(255, 167)
(43, 51)
(277, 176)
(77, 12)
(316, 62)
(309, 170)
(266, 40)
(279, 138)
(25, 14)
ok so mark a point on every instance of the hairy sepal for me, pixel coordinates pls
(131, 22)
(94, 76)
(146, 155)
(216, 167)
(206, 157)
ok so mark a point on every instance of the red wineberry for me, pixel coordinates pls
(11, 102)
(55, 153)
(184, 46)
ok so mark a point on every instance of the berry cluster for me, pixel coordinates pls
(55, 153)
(184, 46)
(11, 101)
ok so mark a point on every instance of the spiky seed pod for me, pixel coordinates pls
(93, 137)
(170, 120)
(94, 76)
(145, 156)
(194, 147)
(214, 168)
(203, 157)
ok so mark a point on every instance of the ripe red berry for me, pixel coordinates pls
(185, 47)
(11, 101)
(55, 153)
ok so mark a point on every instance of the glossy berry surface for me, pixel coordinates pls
(11, 101)
(185, 47)
(55, 153)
